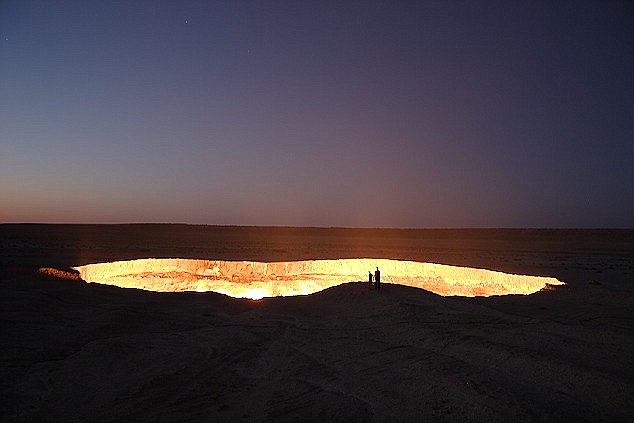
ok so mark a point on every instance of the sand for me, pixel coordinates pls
(74, 351)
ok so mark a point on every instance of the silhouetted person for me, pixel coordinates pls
(370, 280)
(377, 279)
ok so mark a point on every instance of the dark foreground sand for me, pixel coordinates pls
(85, 352)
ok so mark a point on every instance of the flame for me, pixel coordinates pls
(255, 294)
(256, 280)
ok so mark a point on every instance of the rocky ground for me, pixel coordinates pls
(86, 352)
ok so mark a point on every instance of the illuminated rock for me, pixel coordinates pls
(255, 280)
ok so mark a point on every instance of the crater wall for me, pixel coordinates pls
(259, 279)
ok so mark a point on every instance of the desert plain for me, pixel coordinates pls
(78, 351)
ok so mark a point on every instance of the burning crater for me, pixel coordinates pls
(248, 279)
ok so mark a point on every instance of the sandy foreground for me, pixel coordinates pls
(73, 351)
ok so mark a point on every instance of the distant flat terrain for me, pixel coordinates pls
(86, 352)
(572, 255)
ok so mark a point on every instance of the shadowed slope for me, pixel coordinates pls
(90, 352)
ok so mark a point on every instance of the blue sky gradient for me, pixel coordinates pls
(302, 113)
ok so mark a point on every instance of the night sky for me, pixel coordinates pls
(301, 113)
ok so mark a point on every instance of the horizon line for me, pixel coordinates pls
(325, 227)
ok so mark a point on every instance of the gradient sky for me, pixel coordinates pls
(325, 113)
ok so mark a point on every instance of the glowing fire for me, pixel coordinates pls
(256, 294)
(257, 280)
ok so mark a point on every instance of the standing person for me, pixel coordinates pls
(369, 280)
(377, 279)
